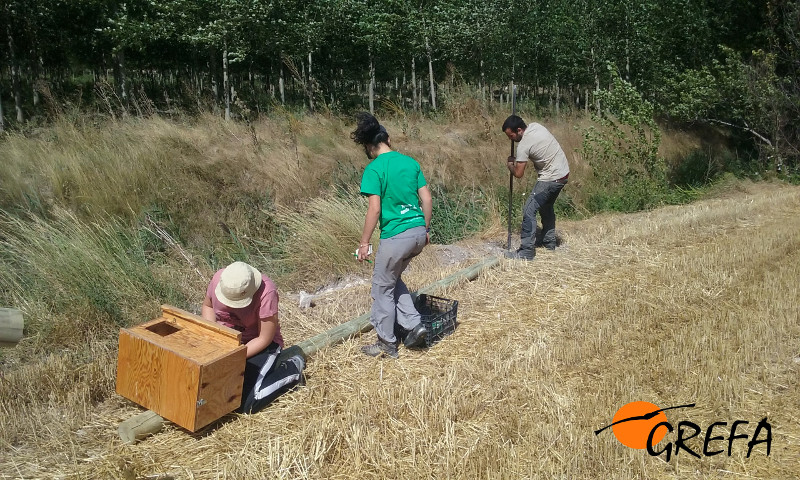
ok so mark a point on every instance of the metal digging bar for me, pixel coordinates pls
(147, 423)
(511, 174)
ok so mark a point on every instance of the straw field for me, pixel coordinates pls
(691, 304)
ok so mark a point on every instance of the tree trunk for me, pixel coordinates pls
(119, 75)
(430, 73)
(212, 70)
(403, 87)
(558, 98)
(16, 88)
(2, 121)
(586, 103)
(371, 84)
(627, 61)
(596, 97)
(310, 85)
(11, 326)
(226, 86)
(483, 83)
(414, 96)
(36, 69)
(302, 80)
(282, 86)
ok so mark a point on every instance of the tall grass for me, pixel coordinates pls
(76, 279)
(323, 234)
(102, 222)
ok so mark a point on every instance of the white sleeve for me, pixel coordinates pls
(523, 148)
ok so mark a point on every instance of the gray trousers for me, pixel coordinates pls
(391, 300)
(541, 199)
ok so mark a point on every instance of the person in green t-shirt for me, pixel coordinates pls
(399, 199)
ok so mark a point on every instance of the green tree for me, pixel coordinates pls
(622, 149)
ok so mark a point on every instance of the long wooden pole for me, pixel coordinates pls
(149, 422)
(511, 174)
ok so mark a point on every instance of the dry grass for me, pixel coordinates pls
(221, 189)
(679, 305)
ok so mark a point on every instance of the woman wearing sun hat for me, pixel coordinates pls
(241, 297)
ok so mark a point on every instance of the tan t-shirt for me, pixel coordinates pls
(540, 147)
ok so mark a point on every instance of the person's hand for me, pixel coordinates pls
(511, 164)
(428, 237)
(511, 159)
(363, 251)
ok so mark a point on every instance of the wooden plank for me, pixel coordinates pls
(179, 381)
(220, 387)
(187, 340)
(11, 326)
(176, 313)
(157, 379)
(135, 367)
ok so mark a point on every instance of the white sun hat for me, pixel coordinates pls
(237, 284)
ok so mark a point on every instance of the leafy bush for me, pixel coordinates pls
(457, 213)
(622, 150)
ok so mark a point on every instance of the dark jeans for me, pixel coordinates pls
(541, 200)
(264, 381)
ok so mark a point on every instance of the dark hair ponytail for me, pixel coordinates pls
(369, 131)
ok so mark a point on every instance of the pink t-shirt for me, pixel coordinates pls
(246, 319)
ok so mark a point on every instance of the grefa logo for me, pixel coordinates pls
(642, 425)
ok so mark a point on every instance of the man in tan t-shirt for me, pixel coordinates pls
(538, 146)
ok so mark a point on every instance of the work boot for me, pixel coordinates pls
(380, 348)
(416, 337)
(522, 254)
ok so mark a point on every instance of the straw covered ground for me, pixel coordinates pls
(691, 304)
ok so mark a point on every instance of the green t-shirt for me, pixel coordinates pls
(395, 178)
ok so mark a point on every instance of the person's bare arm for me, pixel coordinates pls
(370, 222)
(426, 202)
(516, 168)
(207, 311)
(266, 332)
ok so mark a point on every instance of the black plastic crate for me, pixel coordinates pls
(438, 316)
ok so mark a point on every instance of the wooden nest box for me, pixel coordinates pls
(183, 367)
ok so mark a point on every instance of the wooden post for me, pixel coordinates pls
(137, 428)
(149, 422)
(11, 326)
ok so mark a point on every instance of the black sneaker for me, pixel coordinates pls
(380, 348)
(416, 337)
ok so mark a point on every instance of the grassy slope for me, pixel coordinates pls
(678, 305)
